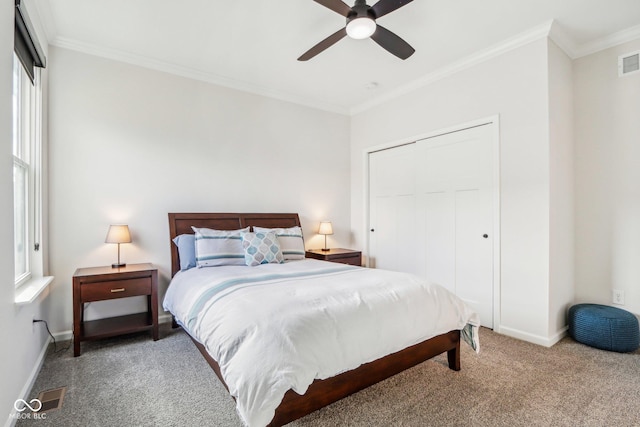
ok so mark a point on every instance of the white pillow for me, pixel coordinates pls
(261, 248)
(291, 241)
(219, 247)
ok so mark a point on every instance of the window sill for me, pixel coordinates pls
(27, 293)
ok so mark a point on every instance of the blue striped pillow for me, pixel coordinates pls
(219, 247)
(291, 241)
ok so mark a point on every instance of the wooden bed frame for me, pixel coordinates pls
(321, 392)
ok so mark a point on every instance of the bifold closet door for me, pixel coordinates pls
(392, 209)
(454, 208)
(431, 213)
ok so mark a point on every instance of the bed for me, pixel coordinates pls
(319, 392)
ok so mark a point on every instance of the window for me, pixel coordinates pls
(28, 61)
(26, 130)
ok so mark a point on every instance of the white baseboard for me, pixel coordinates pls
(24, 393)
(164, 318)
(63, 336)
(559, 335)
(535, 339)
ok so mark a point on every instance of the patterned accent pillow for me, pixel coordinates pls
(291, 241)
(261, 248)
(219, 247)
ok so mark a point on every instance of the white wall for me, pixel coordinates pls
(129, 145)
(515, 86)
(23, 344)
(607, 176)
(561, 216)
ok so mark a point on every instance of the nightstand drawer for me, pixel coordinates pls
(352, 260)
(115, 289)
(342, 256)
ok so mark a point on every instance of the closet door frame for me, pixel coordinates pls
(495, 122)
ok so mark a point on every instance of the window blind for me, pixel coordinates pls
(26, 43)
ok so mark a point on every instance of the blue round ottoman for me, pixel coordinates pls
(604, 327)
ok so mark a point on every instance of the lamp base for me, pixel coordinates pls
(325, 249)
(118, 265)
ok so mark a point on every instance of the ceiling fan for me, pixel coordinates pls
(361, 24)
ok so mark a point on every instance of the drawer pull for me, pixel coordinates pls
(113, 291)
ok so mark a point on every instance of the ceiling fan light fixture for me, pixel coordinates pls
(361, 28)
(361, 24)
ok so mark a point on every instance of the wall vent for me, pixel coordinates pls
(629, 63)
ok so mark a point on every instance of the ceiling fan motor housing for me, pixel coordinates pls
(360, 10)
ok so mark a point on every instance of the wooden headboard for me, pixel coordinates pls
(180, 223)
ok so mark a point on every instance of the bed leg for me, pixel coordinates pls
(453, 357)
(174, 324)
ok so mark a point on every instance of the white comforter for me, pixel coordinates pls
(277, 327)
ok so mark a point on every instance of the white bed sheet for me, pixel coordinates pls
(277, 327)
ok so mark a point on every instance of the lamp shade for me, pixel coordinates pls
(118, 234)
(325, 228)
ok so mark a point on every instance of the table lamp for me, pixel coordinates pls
(325, 229)
(118, 234)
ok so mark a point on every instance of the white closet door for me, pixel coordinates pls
(454, 188)
(392, 209)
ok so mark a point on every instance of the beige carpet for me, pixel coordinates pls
(135, 381)
(510, 383)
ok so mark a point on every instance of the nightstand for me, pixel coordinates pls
(343, 256)
(105, 283)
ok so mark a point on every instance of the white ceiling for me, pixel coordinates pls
(253, 44)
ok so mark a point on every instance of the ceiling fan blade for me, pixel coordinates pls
(387, 6)
(336, 5)
(392, 43)
(329, 41)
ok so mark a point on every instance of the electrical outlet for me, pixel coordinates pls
(618, 296)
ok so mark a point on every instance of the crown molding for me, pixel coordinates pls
(561, 38)
(615, 39)
(484, 55)
(166, 67)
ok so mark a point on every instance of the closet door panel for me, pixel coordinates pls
(392, 243)
(458, 167)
